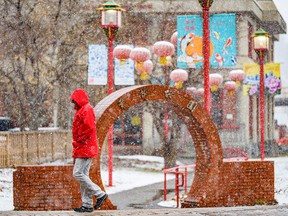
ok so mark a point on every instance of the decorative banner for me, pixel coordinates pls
(124, 72)
(272, 78)
(97, 64)
(98, 67)
(222, 41)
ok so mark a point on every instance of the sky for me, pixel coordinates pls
(138, 175)
(281, 46)
(281, 56)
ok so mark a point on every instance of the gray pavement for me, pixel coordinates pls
(276, 210)
(146, 197)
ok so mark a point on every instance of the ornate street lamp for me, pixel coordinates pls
(261, 46)
(206, 4)
(111, 18)
(110, 22)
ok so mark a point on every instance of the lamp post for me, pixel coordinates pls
(261, 46)
(206, 4)
(110, 22)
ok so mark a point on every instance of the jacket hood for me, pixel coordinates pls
(80, 97)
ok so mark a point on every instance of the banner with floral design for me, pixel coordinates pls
(272, 79)
(98, 67)
(97, 64)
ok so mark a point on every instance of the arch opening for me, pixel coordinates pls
(205, 136)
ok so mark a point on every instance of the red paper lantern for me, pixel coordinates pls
(163, 49)
(215, 80)
(140, 55)
(147, 68)
(122, 52)
(237, 76)
(191, 90)
(230, 86)
(179, 76)
(174, 38)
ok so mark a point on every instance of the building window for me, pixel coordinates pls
(224, 109)
(216, 107)
(251, 117)
(250, 41)
(128, 129)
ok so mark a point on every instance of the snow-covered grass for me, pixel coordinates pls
(136, 171)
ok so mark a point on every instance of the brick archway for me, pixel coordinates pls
(216, 183)
(207, 143)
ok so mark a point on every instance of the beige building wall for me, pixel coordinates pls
(257, 13)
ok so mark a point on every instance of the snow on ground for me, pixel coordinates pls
(281, 179)
(134, 171)
(137, 171)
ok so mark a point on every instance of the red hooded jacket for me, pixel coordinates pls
(85, 143)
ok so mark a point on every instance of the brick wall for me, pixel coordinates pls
(42, 188)
(45, 188)
(239, 184)
(247, 183)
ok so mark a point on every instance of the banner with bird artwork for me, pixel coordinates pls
(272, 79)
(222, 41)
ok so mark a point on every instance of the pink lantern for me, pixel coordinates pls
(140, 55)
(122, 52)
(191, 90)
(230, 86)
(147, 68)
(237, 76)
(174, 38)
(215, 80)
(179, 76)
(163, 49)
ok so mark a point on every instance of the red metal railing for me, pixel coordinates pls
(230, 154)
(177, 171)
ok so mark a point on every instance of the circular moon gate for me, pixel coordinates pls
(209, 157)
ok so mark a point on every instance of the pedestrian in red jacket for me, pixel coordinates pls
(85, 147)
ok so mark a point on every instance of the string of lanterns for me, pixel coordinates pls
(164, 50)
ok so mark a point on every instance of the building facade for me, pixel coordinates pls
(146, 22)
(236, 117)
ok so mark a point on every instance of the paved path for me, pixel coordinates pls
(146, 197)
(223, 211)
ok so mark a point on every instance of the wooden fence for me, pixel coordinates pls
(34, 147)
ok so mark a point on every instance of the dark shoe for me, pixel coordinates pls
(83, 209)
(100, 201)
